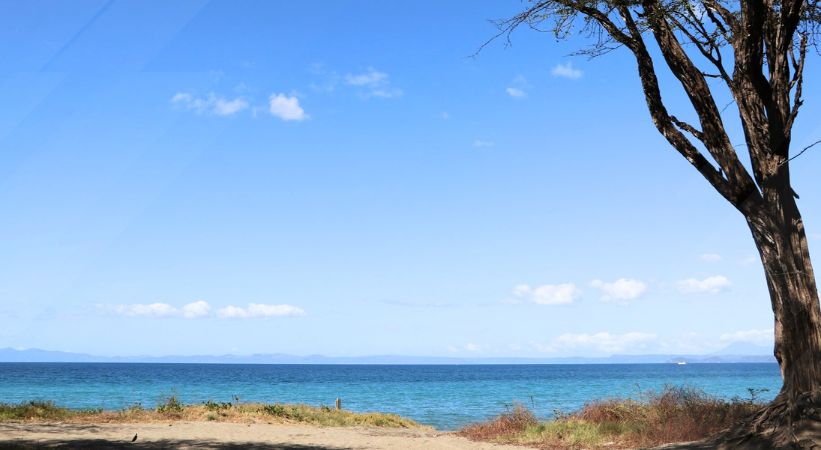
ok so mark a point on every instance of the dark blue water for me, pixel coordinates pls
(443, 396)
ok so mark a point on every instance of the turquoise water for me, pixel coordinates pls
(445, 396)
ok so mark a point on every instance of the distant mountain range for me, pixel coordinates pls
(741, 353)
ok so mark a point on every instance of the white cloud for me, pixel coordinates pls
(752, 336)
(146, 310)
(210, 104)
(712, 285)
(195, 309)
(223, 107)
(515, 92)
(480, 143)
(286, 108)
(517, 87)
(521, 290)
(370, 78)
(200, 308)
(620, 290)
(189, 311)
(471, 347)
(548, 294)
(258, 310)
(710, 257)
(182, 97)
(374, 84)
(602, 342)
(566, 71)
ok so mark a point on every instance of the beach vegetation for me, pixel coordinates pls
(325, 416)
(674, 414)
(172, 408)
(39, 410)
(211, 405)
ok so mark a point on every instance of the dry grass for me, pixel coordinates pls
(507, 424)
(173, 410)
(672, 415)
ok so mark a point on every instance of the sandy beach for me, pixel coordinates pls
(213, 435)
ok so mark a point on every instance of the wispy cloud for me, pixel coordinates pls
(547, 294)
(711, 285)
(515, 92)
(471, 347)
(710, 257)
(201, 308)
(603, 342)
(763, 336)
(566, 71)
(286, 107)
(326, 80)
(370, 78)
(517, 87)
(209, 104)
(481, 143)
(373, 84)
(188, 311)
(621, 290)
(258, 310)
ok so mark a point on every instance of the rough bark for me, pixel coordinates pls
(793, 419)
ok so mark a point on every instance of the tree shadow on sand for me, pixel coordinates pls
(97, 444)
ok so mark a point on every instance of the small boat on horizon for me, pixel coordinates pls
(681, 363)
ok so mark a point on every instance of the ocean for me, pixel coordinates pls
(444, 396)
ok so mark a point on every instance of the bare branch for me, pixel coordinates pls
(726, 15)
(797, 82)
(801, 152)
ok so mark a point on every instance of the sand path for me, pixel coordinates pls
(213, 435)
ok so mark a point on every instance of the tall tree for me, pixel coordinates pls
(755, 50)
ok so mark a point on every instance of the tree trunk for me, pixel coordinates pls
(793, 419)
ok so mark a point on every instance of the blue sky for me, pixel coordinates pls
(344, 179)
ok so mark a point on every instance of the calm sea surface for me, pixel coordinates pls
(443, 396)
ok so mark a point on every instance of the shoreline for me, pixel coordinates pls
(673, 415)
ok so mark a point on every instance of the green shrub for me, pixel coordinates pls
(171, 405)
(211, 405)
(34, 409)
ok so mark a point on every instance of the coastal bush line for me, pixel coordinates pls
(674, 414)
(172, 408)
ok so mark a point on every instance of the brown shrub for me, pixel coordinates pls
(674, 414)
(509, 423)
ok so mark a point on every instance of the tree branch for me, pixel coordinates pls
(665, 124)
(802, 152)
(695, 85)
(797, 83)
(688, 128)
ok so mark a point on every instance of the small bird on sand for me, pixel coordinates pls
(134, 438)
